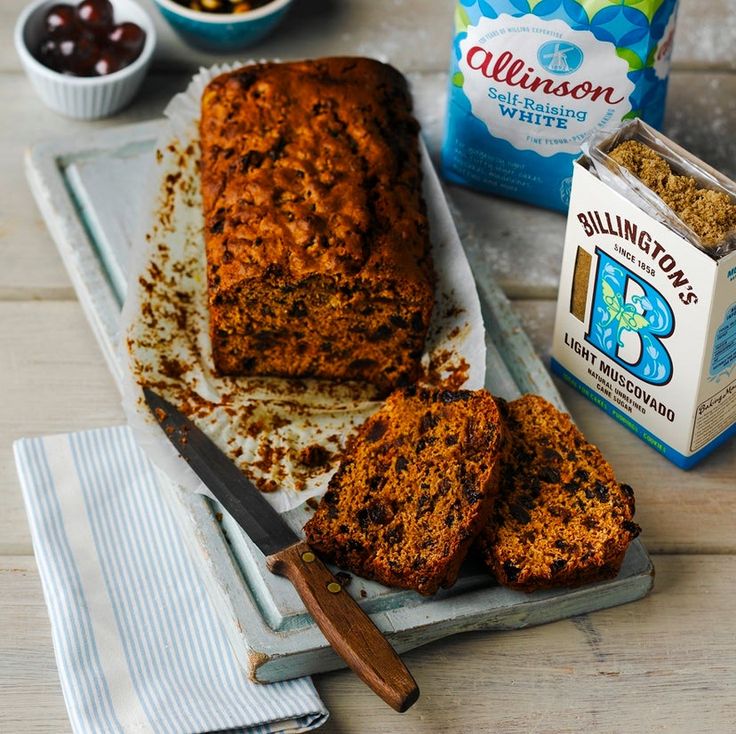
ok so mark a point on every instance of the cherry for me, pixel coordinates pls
(48, 54)
(66, 47)
(60, 20)
(127, 39)
(107, 63)
(96, 14)
(84, 41)
(78, 55)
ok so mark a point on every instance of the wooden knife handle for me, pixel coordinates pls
(346, 626)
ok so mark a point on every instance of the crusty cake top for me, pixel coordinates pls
(313, 167)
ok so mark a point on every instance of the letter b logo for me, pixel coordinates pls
(629, 320)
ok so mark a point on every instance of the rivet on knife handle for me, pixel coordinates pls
(346, 626)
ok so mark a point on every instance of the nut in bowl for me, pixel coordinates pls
(223, 26)
(85, 60)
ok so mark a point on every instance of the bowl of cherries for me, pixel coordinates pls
(85, 60)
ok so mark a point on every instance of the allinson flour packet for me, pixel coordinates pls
(530, 80)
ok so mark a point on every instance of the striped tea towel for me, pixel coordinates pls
(138, 645)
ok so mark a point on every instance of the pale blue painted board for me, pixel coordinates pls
(87, 192)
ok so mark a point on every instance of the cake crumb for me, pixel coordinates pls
(314, 456)
(313, 503)
(343, 578)
(710, 214)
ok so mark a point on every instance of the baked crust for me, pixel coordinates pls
(316, 232)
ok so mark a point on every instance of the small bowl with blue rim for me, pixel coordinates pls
(223, 26)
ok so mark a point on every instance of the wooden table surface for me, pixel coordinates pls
(667, 663)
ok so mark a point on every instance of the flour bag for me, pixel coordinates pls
(531, 80)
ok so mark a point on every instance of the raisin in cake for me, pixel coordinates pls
(318, 251)
(416, 486)
(561, 518)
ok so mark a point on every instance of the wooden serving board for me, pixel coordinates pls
(87, 191)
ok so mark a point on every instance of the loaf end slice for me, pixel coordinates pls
(416, 485)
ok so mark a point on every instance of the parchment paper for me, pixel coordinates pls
(268, 426)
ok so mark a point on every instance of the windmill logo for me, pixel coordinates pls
(560, 57)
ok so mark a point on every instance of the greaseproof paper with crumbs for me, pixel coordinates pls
(286, 435)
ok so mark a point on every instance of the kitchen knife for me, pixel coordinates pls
(346, 626)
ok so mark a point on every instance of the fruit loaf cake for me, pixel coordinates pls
(416, 485)
(561, 518)
(316, 233)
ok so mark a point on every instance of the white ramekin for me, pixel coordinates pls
(84, 98)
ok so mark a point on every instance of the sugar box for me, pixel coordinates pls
(646, 313)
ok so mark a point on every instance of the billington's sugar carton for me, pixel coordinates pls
(646, 314)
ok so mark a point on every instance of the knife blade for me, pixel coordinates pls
(233, 490)
(346, 626)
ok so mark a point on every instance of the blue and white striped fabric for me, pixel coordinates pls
(138, 644)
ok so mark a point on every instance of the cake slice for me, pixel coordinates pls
(417, 484)
(561, 518)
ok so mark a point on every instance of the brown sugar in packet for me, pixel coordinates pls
(417, 484)
(710, 214)
(561, 518)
